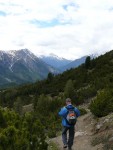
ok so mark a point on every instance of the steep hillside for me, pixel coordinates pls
(86, 80)
(92, 77)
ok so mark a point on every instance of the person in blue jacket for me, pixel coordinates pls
(66, 126)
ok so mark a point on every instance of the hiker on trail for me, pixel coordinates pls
(69, 115)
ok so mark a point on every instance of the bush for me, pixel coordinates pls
(102, 105)
(85, 93)
(82, 111)
(51, 134)
(21, 132)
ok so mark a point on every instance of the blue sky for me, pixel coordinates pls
(2, 13)
(67, 28)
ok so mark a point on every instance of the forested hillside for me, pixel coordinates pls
(93, 78)
(87, 79)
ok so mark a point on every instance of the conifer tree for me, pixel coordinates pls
(88, 62)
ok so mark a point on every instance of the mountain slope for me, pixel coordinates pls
(22, 66)
(86, 81)
(77, 62)
(74, 63)
(97, 76)
(55, 61)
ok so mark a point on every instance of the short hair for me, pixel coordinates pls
(68, 100)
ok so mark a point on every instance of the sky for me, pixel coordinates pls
(67, 28)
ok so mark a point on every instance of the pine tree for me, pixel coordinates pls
(88, 62)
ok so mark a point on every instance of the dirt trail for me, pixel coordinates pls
(83, 134)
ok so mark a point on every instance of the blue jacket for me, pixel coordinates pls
(63, 114)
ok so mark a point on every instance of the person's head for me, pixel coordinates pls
(68, 101)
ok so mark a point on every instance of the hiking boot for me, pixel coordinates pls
(65, 146)
(69, 148)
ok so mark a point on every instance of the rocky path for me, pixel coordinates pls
(83, 135)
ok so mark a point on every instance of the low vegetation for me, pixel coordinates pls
(20, 133)
(104, 139)
(102, 105)
(52, 146)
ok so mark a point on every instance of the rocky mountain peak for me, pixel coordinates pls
(21, 66)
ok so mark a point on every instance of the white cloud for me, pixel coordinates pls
(68, 28)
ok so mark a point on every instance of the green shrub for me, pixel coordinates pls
(84, 94)
(21, 132)
(51, 134)
(82, 111)
(102, 105)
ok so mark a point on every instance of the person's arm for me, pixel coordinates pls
(62, 112)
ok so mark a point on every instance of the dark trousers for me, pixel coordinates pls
(71, 130)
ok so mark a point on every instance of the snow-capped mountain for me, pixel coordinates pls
(55, 61)
(22, 66)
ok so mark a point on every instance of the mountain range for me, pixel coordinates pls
(17, 67)
(55, 61)
(63, 64)
(22, 66)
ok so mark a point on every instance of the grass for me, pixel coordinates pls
(52, 146)
(104, 139)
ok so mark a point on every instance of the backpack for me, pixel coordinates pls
(71, 117)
